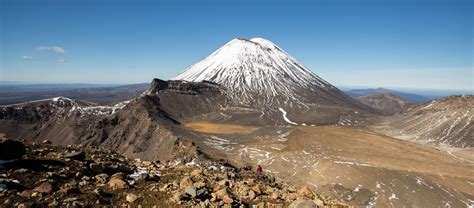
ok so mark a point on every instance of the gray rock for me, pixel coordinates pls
(302, 203)
(21, 170)
(191, 190)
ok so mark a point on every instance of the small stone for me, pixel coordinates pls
(196, 172)
(191, 190)
(275, 195)
(116, 183)
(225, 183)
(26, 193)
(68, 188)
(53, 204)
(185, 182)
(118, 175)
(200, 192)
(178, 196)
(83, 183)
(226, 199)
(165, 187)
(252, 194)
(21, 205)
(21, 170)
(80, 155)
(45, 187)
(101, 178)
(70, 199)
(221, 193)
(291, 197)
(46, 142)
(302, 203)
(97, 191)
(257, 189)
(318, 202)
(199, 184)
(131, 197)
(261, 205)
(306, 192)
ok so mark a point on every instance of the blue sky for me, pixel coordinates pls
(384, 43)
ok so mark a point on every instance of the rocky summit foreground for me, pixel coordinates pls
(54, 176)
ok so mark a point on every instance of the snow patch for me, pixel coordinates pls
(392, 197)
(286, 118)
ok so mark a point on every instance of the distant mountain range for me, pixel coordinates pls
(385, 103)
(100, 94)
(412, 98)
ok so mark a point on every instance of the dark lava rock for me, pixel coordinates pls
(11, 149)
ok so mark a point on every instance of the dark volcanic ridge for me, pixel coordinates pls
(445, 122)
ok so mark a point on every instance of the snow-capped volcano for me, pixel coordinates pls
(254, 68)
(259, 75)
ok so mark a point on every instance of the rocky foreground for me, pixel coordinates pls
(55, 176)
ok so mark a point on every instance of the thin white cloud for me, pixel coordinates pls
(27, 57)
(55, 49)
(62, 60)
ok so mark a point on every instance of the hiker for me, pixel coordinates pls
(247, 167)
(237, 173)
(259, 170)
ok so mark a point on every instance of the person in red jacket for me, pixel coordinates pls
(259, 169)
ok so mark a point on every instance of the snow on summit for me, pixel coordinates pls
(254, 67)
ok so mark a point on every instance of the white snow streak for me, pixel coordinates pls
(286, 118)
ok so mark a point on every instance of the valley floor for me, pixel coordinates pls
(357, 166)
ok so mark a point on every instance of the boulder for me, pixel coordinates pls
(185, 182)
(11, 149)
(302, 203)
(196, 172)
(119, 175)
(45, 187)
(191, 190)
(116, 183)
(306, 192)
(227, 200)
(131, 197)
